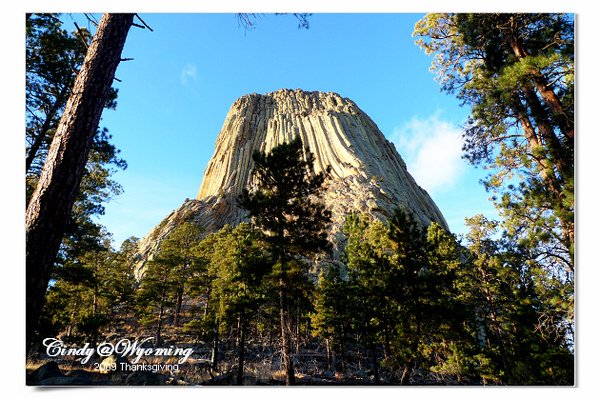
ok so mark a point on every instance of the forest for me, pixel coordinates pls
(263, 302)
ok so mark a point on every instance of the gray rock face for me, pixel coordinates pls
(45, 371)
(367, 173)
(66, 381)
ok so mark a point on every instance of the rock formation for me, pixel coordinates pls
(367, 173)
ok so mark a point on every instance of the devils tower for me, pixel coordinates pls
(367, 173)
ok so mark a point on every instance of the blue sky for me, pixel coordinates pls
(185, 75)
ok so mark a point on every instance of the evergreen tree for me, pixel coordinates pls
(53, 57)
(51, 202)
(367, 254)
(509, 306)
(87, 292)
(204, 321)
(178, 250)
(333, 316)
(516, 72)
(120, 274)
(156, 295)
(239, 268)
(166, 280)
(406, 296)
(420, 288)
(291, 222)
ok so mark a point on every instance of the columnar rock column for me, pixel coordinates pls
(367, 173)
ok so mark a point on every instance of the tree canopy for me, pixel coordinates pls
(285, 210)
(516, 73)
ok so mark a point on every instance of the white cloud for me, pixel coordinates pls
(189, 74)
(432, 150)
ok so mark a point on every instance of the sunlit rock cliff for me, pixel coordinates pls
(367, 173)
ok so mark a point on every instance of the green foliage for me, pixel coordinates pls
(282, 207)
(53, 57)
(291, 223)
(88, 291)
(515, 71)
(405, 296)
(156, 293)
(367, 256)
(510, 302)
(238, 266)
(335, 306)
(288, 220)
(462, 315)
(168, 275)
(407, 302)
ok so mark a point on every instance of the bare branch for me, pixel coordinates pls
(81, 35)
(144, 23)
(91, 19)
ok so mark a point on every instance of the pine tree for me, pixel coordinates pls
(56, 191)
(367, 255)
(405, 298)
(178, 250)
(156, 295)
(53, 57)
(292, 224)
(239, 266)
(334, 313)
(516, 72)
(510, 300)
(88, 292)
(168, 275)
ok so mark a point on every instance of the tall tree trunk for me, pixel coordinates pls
(497, 331)
(297, 335)
(286, 333)
(95, 313)
(157, 335)
(375, 363)
(328, 353)
(178, 304)
(387, 347)
(560, 155)
(534, 140)
(51, 203)
(214, 357)
(342, 350)
(564, 121)
(208, 292)
(410, 362)
(241, 348)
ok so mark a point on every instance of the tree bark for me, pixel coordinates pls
(286, 333)
(375, 363)
(533, 140)
(241, 348)
(157, 335)
(214, 357)
(328, 353)
(560, 154)
(53, 198)
(178, 304)
(565, 123)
